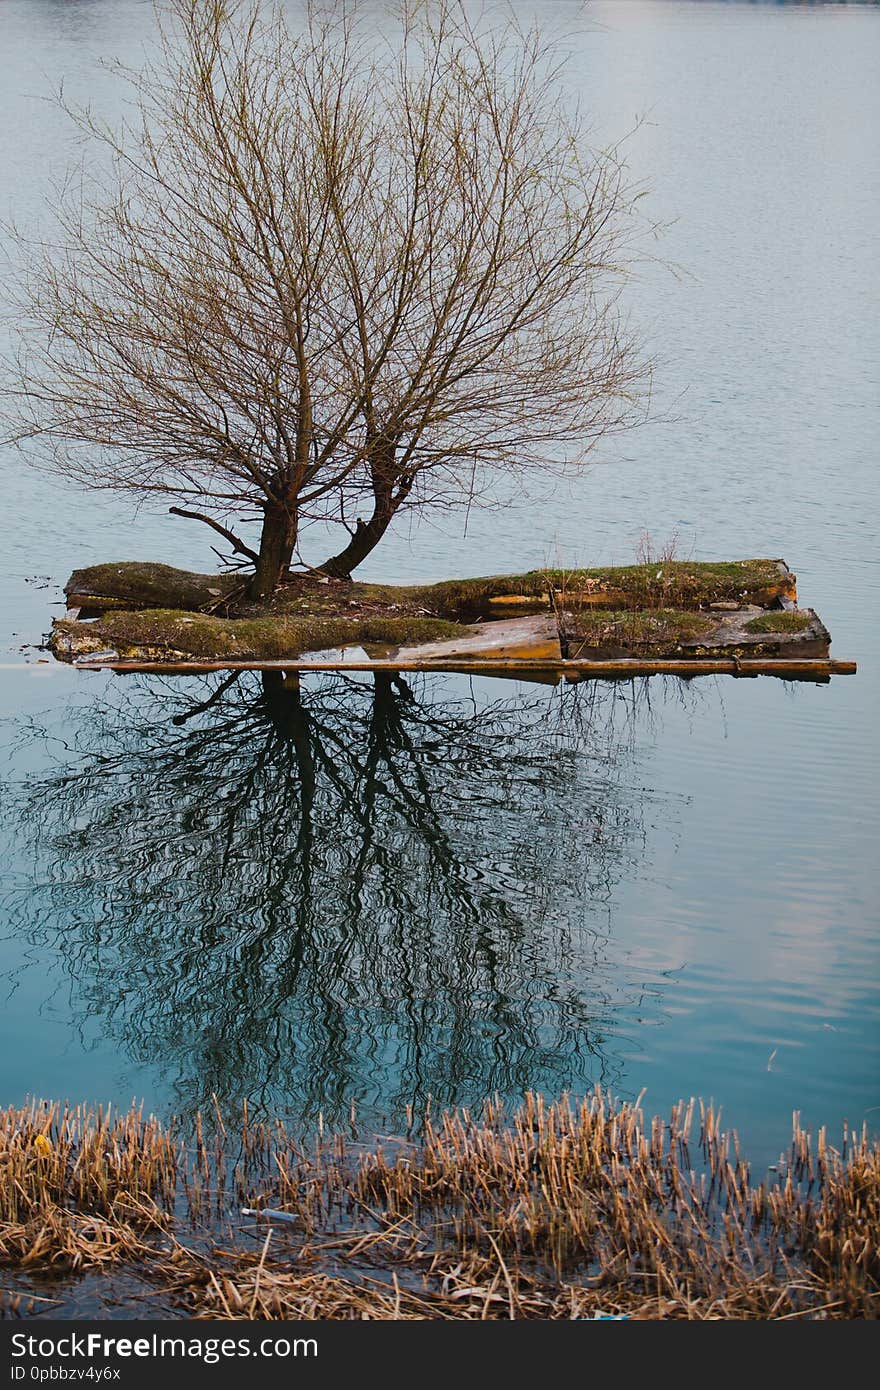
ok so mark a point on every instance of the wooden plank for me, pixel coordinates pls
(515, 668)
(528, 638)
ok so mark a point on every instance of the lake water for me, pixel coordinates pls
(382, 897)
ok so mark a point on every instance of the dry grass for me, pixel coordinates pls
(651, 552)
(660, 631)
(559, 1210)
(81, 1187)
(588, 1200)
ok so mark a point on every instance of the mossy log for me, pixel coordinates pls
(160, 633)
(658, 633)
(669, 584)
(142, 584)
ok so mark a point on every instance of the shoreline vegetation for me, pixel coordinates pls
(660, 610)
(562, 1209)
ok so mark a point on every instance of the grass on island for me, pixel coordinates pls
(668, 583)
(659, 631)
(559, 1210)
(675, 583)
(780, 622)
(158, 633)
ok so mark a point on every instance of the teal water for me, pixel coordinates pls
(385, 896)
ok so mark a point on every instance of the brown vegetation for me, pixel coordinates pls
(80, 1187)
(559, 1210)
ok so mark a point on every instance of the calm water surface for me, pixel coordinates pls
(385, 895)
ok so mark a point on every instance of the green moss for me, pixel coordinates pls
(657, 629)
(674, 583)
(780, 622)
(146, 585)
(667, 583)
(197, 635)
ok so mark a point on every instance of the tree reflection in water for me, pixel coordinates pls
(345, 892)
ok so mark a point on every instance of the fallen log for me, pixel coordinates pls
(674, 583)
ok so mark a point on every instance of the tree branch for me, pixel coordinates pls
(237, 545)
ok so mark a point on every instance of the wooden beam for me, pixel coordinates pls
(786, 668)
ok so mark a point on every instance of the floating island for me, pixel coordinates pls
(676, 616)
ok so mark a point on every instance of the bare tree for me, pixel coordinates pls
(331, 274)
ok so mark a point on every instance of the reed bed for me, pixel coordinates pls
(81, 1187)
(652, 1220)
(560, 1209)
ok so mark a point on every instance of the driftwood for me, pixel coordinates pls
(789, 668)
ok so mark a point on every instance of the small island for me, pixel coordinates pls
(673, 615)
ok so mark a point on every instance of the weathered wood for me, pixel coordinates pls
(786, 668)
(735, 632)
(530, 638)
(687, 584)
(518, 603)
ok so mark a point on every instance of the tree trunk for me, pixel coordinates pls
(389, 491)
(366, 537)
(277, 540)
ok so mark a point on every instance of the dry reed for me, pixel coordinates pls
(81, 1187)
(560, 1210)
